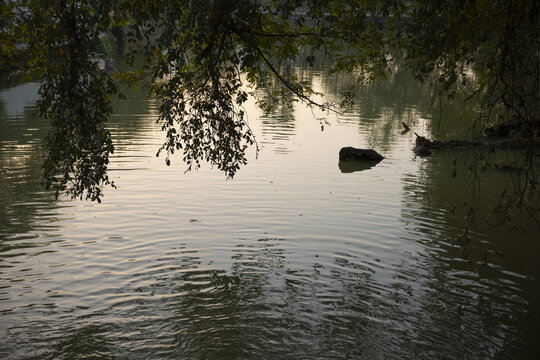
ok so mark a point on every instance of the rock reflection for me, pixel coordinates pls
(353, 166)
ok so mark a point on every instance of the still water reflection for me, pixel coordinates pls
(291, 259)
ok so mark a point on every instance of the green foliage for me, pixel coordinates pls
(10, 56)
(199, 57)
(75, 96)
(499, 40)
(491, 49)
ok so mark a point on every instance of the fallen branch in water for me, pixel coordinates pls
(424, 146)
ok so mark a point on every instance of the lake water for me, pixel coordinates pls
(292, 259)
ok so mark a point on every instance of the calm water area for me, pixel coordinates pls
(294, 258)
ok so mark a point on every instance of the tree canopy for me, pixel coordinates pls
(200, 58)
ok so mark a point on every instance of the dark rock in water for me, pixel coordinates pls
(350, 166)
(352, 159)
(350, 153)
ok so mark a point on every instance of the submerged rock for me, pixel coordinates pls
(351, 153)
(353, 166)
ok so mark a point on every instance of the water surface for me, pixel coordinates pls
(290, 259)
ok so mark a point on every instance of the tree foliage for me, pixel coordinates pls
(492, 48)
(74, 94)
(9, 37)
(197, 56)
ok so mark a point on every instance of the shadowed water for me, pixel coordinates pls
(292, 259)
